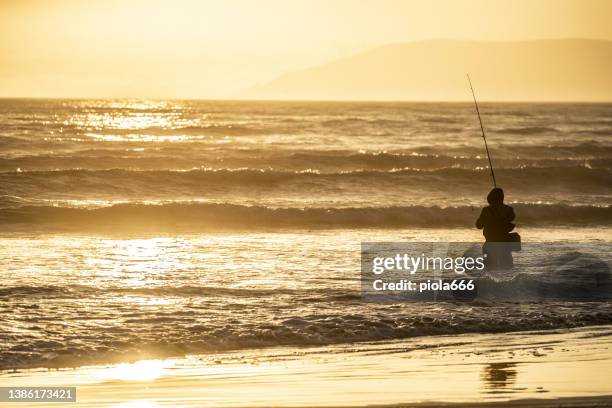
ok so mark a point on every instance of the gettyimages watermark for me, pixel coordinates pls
(464, 271)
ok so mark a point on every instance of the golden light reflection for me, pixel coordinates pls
(144, 370)
(136, 263)
(145, 300)
(137, 404)
(143, 138)
(115, 121)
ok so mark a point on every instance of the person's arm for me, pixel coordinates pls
(511, 214)
(480, 220)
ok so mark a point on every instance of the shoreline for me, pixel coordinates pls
(569, 402)
(602, 401)
(517, 369)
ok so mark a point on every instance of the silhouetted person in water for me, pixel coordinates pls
(496, 222)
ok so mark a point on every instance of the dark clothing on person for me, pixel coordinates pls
(496, 219)
(496, 222)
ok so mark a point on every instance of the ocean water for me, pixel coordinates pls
(158, 228)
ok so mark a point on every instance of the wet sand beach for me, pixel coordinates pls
(540, 369)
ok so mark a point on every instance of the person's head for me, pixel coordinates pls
(496, 196)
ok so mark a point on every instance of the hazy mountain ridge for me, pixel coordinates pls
(536, 70)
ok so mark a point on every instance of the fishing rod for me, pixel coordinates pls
(483, 132)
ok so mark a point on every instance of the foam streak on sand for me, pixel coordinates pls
(537, 369)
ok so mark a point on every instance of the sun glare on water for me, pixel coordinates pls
(144, 370)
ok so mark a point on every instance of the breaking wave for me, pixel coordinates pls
(134, 333)
(577, 177)
(200, 217)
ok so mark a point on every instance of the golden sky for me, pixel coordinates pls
(216, 49)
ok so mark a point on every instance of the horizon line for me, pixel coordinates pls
(467, 100)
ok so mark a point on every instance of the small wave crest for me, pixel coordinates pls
(325, 162)
(528, 130)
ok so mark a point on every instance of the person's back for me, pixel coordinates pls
(496, 219)
(496, 222)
